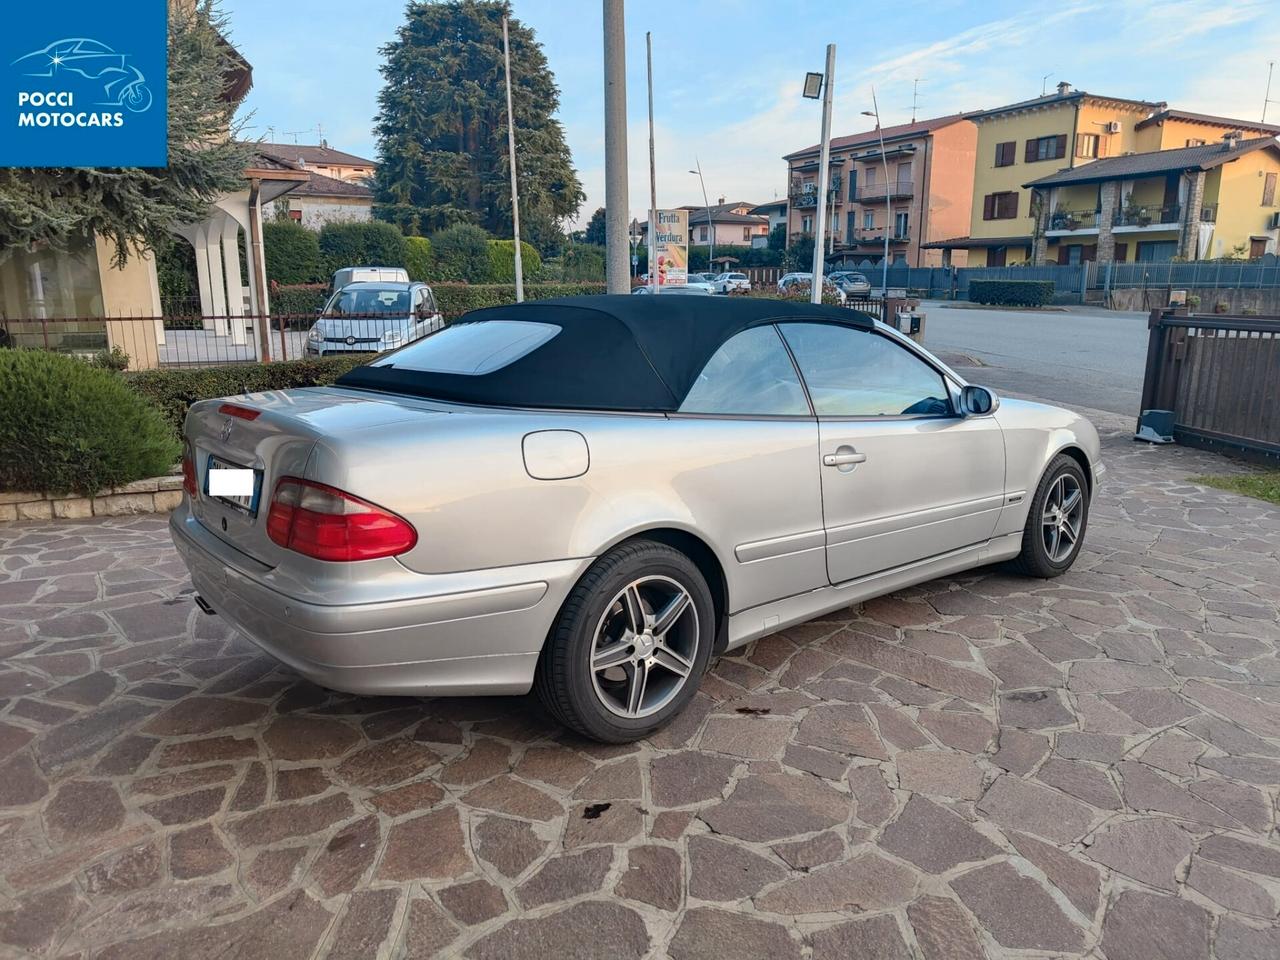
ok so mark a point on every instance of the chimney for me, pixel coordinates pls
(720, 202)
(1231, 140)
(1064, 88)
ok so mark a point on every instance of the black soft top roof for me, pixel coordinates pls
(612, 353)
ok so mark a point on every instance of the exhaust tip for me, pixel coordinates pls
(203, 604)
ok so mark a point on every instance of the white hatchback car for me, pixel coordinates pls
(731, 283)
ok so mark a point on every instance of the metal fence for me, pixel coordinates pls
(1220, 376)
(183, 341)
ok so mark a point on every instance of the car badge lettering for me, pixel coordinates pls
(226, 430)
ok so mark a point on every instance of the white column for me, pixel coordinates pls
(156, 308)
(235, 291)
(217, 288)
(200, 242)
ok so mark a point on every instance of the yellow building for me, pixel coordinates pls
(1024, 140)
(323, 159)
(1199, 202)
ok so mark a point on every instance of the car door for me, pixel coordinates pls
(904, 477)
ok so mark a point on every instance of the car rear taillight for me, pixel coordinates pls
(320, 521)
(235, 410)
(188, 474)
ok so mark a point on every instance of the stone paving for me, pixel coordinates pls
(980, 766)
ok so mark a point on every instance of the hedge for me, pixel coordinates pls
(70, 427)
(456, 299)
(417, 258)
(502, 261)
(173, 390)
(299, 298)
(461, 252)
(371, 244)
(1011, 293)
(292, 252)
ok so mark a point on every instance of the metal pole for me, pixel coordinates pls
(617, 209)
(653, 177)
(511, 150)
(888, 199)
(824, 161)
(711, 230)
(1266, 97)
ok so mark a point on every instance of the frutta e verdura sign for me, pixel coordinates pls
(673, 247)
(84, 84)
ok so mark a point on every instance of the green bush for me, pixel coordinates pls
(581, 262)
(1011, 293)
(292, 252)
(502, 261)
(69, 427)
(456, 299)
(371, 244)
(461, 252)
(417, 258)
(173, 390)
(299, 298)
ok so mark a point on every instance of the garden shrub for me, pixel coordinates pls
(1011, 293)
(292, 252)
(417, 258)
(502, 261)
(71, 427)
(456, 299)
(173, 390)
(299, 298)
(461, 252)
(370, 244)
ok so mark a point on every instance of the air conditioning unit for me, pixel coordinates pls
(1113, 126)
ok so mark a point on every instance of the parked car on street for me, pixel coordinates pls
(793, 282)
(702, 281)
(372, 317)
(731, 283)
(853, 284)
(593, 497)
(347, 275)
(681, 289)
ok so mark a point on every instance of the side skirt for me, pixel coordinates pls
(768, 618)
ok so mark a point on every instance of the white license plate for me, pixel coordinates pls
(232, 474)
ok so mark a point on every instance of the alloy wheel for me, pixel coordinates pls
(1063, 515)
(644, 646)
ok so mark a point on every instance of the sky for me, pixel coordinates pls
(728, 73)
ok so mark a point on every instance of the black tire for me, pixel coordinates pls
(563, 680)
(1035, 559)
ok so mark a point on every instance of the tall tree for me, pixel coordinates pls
(595, 228)
(441, 126)
(139, 207)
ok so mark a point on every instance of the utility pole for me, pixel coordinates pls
(711, 229)
(653, 176)
(824, 163)
(511, 152)
(616, 208)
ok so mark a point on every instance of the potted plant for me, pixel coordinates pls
(1220, 306)
(1193, 302)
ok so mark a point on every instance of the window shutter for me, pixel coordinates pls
(1102, 145)
(1064, 254)
(1080, 145)
(1061, 150)
(989, 206)
(1090, 252)
(1122, 252)
(1030, 155)
(1269, 191)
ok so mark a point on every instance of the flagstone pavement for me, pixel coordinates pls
(980, 766)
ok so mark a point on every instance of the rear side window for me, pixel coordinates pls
(856, 373)
(472, 349)
(750, 375)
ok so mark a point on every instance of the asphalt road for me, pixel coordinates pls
(1080, 357)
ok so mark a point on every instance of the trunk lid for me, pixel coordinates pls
(277, 442)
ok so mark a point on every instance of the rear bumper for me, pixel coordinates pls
(480, 633)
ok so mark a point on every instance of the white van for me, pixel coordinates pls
(366, 274)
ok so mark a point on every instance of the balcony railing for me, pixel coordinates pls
(1139, 215)
(806, 195)
(876, 235)
(1073, 220)
(871, 192)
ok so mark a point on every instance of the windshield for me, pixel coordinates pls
(357, 301)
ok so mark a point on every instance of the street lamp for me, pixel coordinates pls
(813, 84)
(888, 209)
(711, 230)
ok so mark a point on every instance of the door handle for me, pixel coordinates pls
(840, 459)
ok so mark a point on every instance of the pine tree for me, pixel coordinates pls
(442, 134)
(140, 207)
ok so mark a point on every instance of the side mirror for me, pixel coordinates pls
(978, 401)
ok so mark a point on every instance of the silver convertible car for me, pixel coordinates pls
(595, 496)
